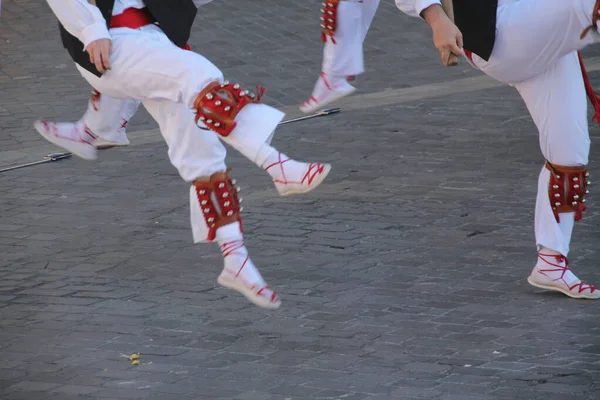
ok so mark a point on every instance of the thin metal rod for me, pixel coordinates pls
(321, 113)
(48, 158)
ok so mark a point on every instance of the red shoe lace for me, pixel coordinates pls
(260, 92)
(229, 248)
(560, 259)
(313, 99)
(325, 81)
(274, 296)
(314, 169)
(328, 85)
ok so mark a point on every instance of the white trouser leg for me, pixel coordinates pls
(198, 153)
(369, 8)
(556, 100)
(250, 135)
(147, 65)
(532, 35)
(107, 117)
(345, 57)
(193, 151)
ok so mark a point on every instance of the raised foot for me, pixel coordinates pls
(298, 177)
(261, 295)
(552, 273)
(75, 138)
(325, 93)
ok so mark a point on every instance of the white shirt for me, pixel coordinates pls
(415, 7)
(86, 23)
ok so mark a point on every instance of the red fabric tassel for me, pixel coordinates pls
(324, 38)
(589, 90)
(260, 91)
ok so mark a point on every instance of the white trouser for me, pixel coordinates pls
(535, 51)
(193, 151)
(345, 57)
(107, 117)
(146, 65)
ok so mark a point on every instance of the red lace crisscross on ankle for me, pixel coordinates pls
(325, 81)
(580, 287)
(313, 170)
(229, 248)
(328, 85)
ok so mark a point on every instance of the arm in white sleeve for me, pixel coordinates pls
(414, 8)
(80, 19)
(199, 3)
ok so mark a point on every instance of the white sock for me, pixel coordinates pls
(278, 165)
(334, 80)
(237, 261)
(265, 153)
(328, 83)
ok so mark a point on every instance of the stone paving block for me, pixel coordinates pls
(63, 396)
(25, 395)
(33, 386)
(169, 396)
(121, 393)
(75, 390)
(557, 396)
(463, 397)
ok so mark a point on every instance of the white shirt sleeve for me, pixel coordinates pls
(199, 3)
(414, 8)
(80, 19)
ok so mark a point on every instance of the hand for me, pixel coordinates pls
(447, 38)
(99, 51)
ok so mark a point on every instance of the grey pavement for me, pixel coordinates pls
(402, 277)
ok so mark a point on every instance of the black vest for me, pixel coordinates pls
(476, 19)
(175, 18)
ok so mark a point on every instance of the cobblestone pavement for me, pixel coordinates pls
(403, 277)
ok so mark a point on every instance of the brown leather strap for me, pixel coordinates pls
(219, 103)
(221, 188)
(329, 19)
(567, 189)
